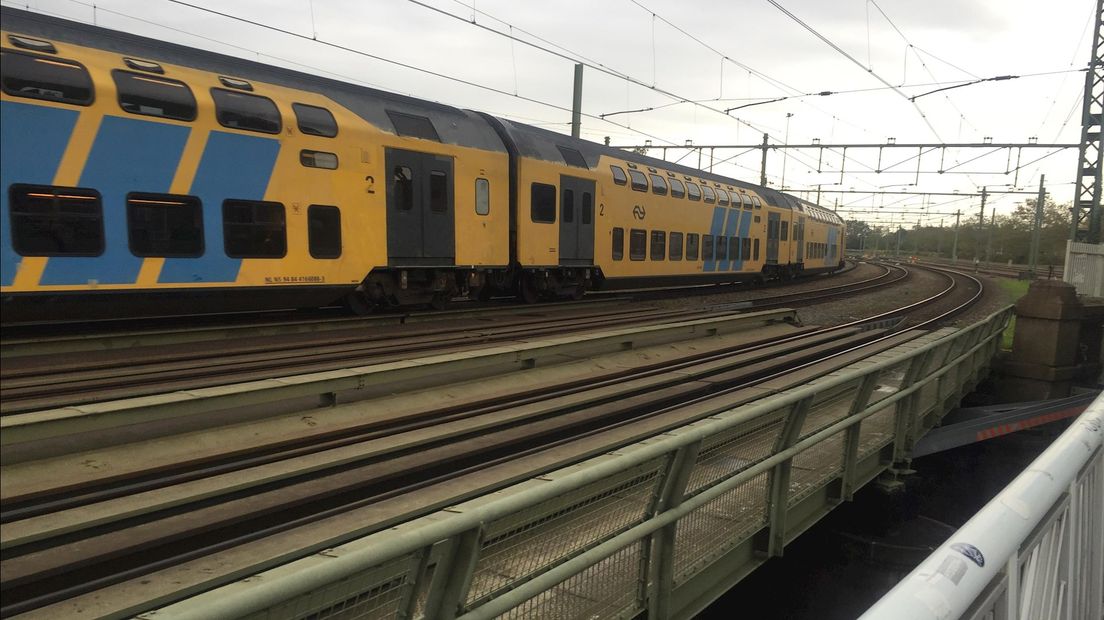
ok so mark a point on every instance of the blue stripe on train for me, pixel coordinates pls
(128, 155)
(233, 166)
(32, 141)
(745, 227)
(731, 225)
(715, 229)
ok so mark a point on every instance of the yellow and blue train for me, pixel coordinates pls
(140, 177)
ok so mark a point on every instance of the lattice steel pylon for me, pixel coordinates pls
(1086, 201)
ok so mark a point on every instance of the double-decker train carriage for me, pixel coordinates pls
(140, 177)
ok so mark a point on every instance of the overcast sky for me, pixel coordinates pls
(702, 51)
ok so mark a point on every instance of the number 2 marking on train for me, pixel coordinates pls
(601, 208)
(371, 184)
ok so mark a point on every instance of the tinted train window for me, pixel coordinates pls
(588, 208)
(324, 231)
(482, 196)
(755, 252)
(659, 186)
(164, 225)
(412, 125)
(543, 207)
(785, 236)
(254, 229)
(639, 181)
(721, 248)
(755, 201)
(56, 221)
(693, 191)
(675, 250)
(746, 249)
(154, 96)
(707, 247)
(638, 244)
(572, 157)
(692, 246)
(659, 245)
(707, 193)
(248, 112)
(734, 248)
(678, 190)
(722, 197)
(52, 79)
(318, 159)
(402, 188)
(567, 210)
(619, 175)
(618, 244)
(314, 120)
(438, 191)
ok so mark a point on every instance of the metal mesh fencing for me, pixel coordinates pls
(720, 524)
(612, 588)
(829, 406)
(877, 430)
(527, 542)
(815, 466)
(889, 381)
(725, 454)
(380, 592)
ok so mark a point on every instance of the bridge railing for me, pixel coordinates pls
(641, 528)
(1035, 551)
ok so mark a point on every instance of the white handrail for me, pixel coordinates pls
(986, 551)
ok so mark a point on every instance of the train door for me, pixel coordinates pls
(799, 240)
(576, 221)
(774, 223)
(421, 225)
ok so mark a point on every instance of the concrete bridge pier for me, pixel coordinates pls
(1046, 349)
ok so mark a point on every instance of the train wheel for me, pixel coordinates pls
(358, 303)
(578, 293)
(440, 300)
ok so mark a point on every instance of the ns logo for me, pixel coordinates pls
(639, 212)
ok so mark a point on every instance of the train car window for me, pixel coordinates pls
(619, 175)
(482, 196)
(755, 201)
(567, 206)
(758, 219)
(708, 195)
(693, 191)
(35, 45)
(639, 181)
(315, 121)
(144, 65)
(617, 244)
(588, 208)
(438, 191)
(734, 248)
(318, 159)
(691, 246)
(56, 221)
(638, 244)
(543, 203)
(254, 229)
(659, 185)
(675, 249)
(324, 231)
(52, 79)
(707, 247)
(659, 244)
(154, 96)
(402, 188)
(230, 82)
(573, 157)
(785, 235)
(746, 200)
(164, 225)
(746, 242)
(720, 248)
(249, 112)
(722, 197)
(412, 125)
(678, 190)
(755, 249)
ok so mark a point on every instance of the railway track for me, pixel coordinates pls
(67, 540)
(249, 353)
